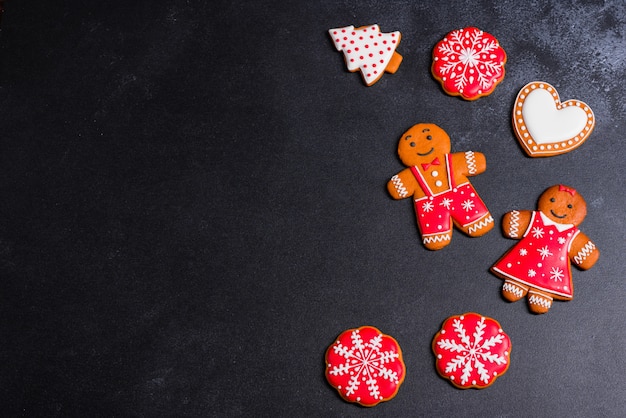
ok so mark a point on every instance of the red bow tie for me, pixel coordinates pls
(433, 162)
(565, 189)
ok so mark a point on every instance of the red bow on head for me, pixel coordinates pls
(565, 189)
(433, 162)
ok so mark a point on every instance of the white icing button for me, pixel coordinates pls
(435, 173)
(438, 183)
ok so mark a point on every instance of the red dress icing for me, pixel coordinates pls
(541, 258)
(471, 351)
(365, 366)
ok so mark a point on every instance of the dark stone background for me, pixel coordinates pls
(194, 207)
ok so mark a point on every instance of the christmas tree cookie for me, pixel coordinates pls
(368, 50)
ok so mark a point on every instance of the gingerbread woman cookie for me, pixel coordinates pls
(538, 267)
(437, 181)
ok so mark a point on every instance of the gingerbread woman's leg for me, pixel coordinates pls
(539, 302)
(513, 290)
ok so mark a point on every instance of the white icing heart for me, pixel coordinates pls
(547, 124)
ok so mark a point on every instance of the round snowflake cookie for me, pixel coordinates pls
(471, 351)
(365, 366)
(468, 63)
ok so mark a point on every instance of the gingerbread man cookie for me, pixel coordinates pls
(437, 181)
(365, 366)
(538, 267)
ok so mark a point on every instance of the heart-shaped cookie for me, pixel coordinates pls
(545, 126)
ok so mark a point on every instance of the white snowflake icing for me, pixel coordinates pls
(523, 252)
(557, 274)
(561, 240)
(427, 206)
(472, 355)
(446, 202)
(364, 361)
(537, 232)
(531, 273)
(468, 205)
(464, 64)
(544, 252)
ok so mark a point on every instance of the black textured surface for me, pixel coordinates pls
(194, 207)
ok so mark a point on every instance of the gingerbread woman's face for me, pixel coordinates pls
(422, 143)
(563, 204)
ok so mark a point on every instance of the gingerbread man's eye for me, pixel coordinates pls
(412, 144)
(429, 137)
(552, 200)
(570, 206)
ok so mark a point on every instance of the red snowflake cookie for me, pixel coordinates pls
(468, 63)
(471, 351)
(365, 366)
(368, 50)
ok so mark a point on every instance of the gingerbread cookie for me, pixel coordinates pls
(468, 63)
(538, 267)
(368, 50)
(471, 351)
(437, 181)
(365, 366)
(545, 126)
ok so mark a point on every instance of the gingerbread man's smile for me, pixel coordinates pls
(426, 153)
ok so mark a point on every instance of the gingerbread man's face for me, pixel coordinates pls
(423, 143)
(563, 204)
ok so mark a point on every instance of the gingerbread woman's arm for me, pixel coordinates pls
(469, 163)
(515, 223)
(583, 252)
(402, 184)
